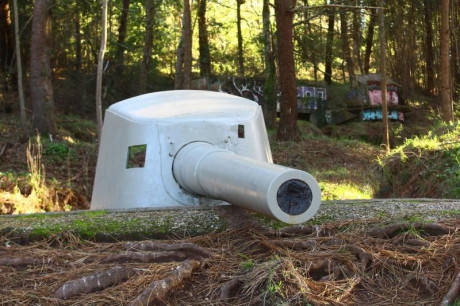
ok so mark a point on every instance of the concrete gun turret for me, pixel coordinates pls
(182, 148)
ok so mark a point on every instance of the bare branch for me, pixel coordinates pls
(315, 7)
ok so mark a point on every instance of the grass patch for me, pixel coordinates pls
(344, 191)
(345, 168)
(425, 166)
(40, 216)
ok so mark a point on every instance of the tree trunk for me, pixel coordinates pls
(429, 57)
(187, 45)
(269, 102)
(100, 64)
(357, 39)
(77, 40)
(179, 75)
(329, 41)
(345, 45)
(6, 39)
(119, 60)
(412, 49)
(455, 50)
(240, 38)
(383, 85)
(369, 40)
(19, 67)
(148, 45)
(446, 89)
(205, 58)
(287, 129)
(41, 90)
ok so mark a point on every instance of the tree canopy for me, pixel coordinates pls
(332, 41)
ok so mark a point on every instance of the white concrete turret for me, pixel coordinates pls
(181, 148)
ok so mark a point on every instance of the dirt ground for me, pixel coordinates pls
(349, 262)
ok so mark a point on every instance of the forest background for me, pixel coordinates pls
(159, 45)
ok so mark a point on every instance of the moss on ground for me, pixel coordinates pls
(190, 222)
(112, 226)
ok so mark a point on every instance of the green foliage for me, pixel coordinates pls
(77, 128)
(344, 191)
(57, 149)
(247, 263)
(434, 158)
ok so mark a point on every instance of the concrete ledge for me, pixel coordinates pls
(181, 222)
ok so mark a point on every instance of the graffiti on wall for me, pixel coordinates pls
(309, 98)
(376, 114)
(250, 88)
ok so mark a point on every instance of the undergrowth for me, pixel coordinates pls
(25, 186)
(425, 166)
(345, 168)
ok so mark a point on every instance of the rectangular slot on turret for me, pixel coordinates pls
(240, 131)
(136, 156)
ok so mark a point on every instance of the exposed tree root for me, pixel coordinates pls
(321, 269)
(428, 286)
(297, 230)
(159, 289)
(22, 261)
(334, 242)
(95, 282)
(6, 269)
(158, 257)
(404, 239)
(304, 230)
(416, 243)
(188, 248)
(249, 266)
(430, 229)
(328, 270)
(362, 255)
(230, 289)
(453, 292)
(295, 244)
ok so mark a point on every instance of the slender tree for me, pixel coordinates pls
(6, 37)
(287, 128)
(269, 105)
(429, 52)
(205, 58)
(41, 90)
(148, 45)
(357, 39)
(122, 36)
(345, 45)
(329, 41)
(445, 84)
(100, 64)
(369, 39)
(78, 38)
(383, 72)
(187, 45)
(179, 75)
(183, 77)
(19, 67)
(455, 48)
(240, 38)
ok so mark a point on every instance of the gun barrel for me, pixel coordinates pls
(289, 195)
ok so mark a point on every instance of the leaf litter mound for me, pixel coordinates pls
(342, 263)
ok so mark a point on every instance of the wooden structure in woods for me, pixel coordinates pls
(368, 94)
(311, 101)
(364, 101)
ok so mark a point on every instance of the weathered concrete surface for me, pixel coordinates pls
(170, 223)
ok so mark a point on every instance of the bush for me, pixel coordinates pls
(426, 166)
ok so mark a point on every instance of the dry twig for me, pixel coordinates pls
(453, 292)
